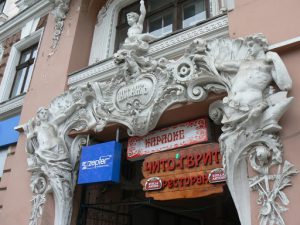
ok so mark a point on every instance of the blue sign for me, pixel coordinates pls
(100, 163)
(7, 133)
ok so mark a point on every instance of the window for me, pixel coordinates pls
(164, 17)
(19, 67)
(2, 4)
(23, 71)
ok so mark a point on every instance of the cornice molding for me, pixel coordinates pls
(12, 106)
(206, 30)
(168, 47)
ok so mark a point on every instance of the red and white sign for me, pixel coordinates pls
(181, 135)
(217, 175)
(153, 183)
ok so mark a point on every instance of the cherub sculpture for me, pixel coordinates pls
(136, 40)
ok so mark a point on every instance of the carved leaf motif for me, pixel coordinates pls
(266, 209)
(282, 208)
(287, 172)
(283, 198)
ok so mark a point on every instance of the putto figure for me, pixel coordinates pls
(136, 40)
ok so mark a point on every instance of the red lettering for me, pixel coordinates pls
(171, 164)
(158, 140)
(170, 138)
(170, 183)
(180, 164)
(162, 162)
(164, 139)
(165, 183)
(175, 182)
(205, 178)
(147, 166)
(155, 167)
(181, 179)
(187, 181)
(199, 179)
(148, 143)
(176, 135)
(207, 158)
(216, 154)
(193, 180)
(152, 141)
(181, 132)
(198, 159)
(190, 161)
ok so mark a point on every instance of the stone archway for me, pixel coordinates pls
(144, 88)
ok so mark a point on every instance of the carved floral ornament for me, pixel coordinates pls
(144, 88)
(60, 10)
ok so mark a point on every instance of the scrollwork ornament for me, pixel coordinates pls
(183, 70)
(250, 115)
(144, 88)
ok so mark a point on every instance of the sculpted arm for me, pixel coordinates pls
(68, 112)
(143, 13)
(232, 66)
(31, 134)
(279, 72)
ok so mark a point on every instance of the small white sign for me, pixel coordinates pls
(181, 135)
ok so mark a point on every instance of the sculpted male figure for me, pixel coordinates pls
(251, 93)
(135, 38)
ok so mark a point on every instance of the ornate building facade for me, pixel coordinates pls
(81, 72)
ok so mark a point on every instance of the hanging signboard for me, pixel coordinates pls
(100, 163)
(181, 135)
(183, 173)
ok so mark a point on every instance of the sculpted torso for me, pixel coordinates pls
(47, 136)
(134, 30)
(248, 85)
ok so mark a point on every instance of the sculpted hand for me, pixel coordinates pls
(255, 112)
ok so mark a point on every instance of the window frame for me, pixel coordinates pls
(103, 45)
(2, 5)
(13, 61)
(22, 66)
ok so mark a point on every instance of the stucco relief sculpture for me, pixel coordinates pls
(250, 115)
(137, 40)
(256, 83)
(51, 159)
(60, 10)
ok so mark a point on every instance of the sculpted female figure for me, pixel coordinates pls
(49, 161)
(45, 143)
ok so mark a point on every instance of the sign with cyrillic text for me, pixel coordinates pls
(181, 135)
(183, 173)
